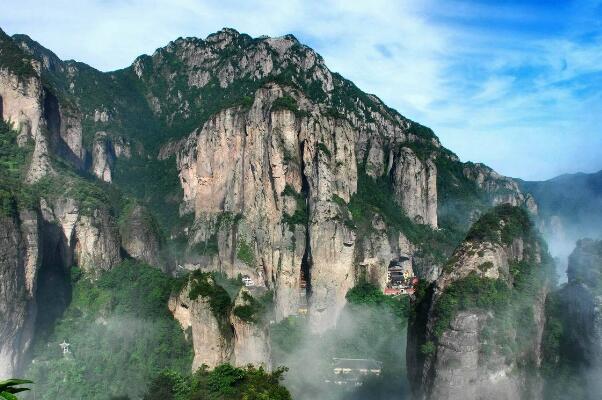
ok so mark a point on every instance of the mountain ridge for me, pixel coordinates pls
(226, 157)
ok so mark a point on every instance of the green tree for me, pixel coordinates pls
(9, 388)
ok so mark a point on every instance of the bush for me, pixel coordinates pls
(468, 293)
(245, 253)
(502, 224)
(225, 382)
(254, 309)
(301, 214)
(428, 348)
(203, 284)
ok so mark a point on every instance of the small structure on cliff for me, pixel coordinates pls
(400, 277)
(248, 281)
(65, 347)
(352, 371)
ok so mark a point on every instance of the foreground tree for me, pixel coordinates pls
(9, 388)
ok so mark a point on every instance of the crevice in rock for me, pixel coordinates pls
(52, 114)
(53, 291)
(306, 259)
(1, 109)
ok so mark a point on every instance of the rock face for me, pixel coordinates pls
(19, 264)
(212, 345)
(46, 242)
(91, 241)
(103, 157)
(216, 338)
(415, 184)
(23, 105)
(140, 237)
(267, 165)
(251, 339)
(501, 189)
(272, 151)
(573, 341)
(459, 352)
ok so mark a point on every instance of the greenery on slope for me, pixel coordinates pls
(510, 300)
(13, 164)
(121, 335)
(502, 224)
(13, 58)
(225, 382)
(375, 196)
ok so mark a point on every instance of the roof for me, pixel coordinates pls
(356, 363)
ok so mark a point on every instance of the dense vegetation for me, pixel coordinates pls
(13, 162)
(203, 284)
(121, 335)
(225, 382)
(502, 224)
(12, 58)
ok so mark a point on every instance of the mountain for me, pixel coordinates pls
(572, 342)
(570, 208)
(211, 159)
(476, 331)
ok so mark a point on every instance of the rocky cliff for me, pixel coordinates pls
(222, 330)
(19, 265)
(252, 157)
(477, 330)
(573, 334)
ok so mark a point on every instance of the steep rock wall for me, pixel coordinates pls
(464, 357)
(19, 263)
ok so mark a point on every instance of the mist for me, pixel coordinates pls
(363, 331)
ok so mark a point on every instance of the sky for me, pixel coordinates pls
(513, 84)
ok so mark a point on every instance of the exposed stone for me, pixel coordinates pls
(19, 264)
(195, 316)
(140, 238)
(251, 338)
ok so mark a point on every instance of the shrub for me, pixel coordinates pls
(224, 382)
(428, 348)
(203, 284)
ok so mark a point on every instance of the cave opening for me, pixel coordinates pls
(54, 287)
(52, 114)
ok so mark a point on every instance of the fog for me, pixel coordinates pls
(362, 331)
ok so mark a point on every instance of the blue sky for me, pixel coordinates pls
(514, 84)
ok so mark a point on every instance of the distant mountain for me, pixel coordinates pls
(570, 208)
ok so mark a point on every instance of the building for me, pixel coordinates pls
(248, 281)
(400, 277)
(353, 371)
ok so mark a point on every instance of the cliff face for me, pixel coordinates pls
(479, 331)
(140, 237)
(19, 263)
(573, 333)
(255, 158)
(210, 335)
(218, 331)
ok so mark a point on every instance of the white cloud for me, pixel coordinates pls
(518, 100)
